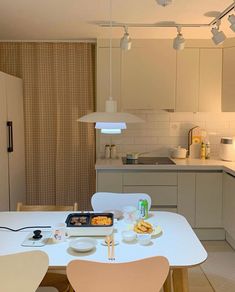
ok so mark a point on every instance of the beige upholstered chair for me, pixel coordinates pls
(56, 280)
(23, 271)
(144, 275)
(39, 208)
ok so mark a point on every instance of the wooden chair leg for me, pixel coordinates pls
(167, 284)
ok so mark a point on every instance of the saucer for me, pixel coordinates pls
(83, 244)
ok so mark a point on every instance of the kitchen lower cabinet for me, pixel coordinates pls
(208, 200)
(229, 204)
(187, 196)
(161, 186)
(109, 181)
(12, 154)
(200, 198)
(195, 195)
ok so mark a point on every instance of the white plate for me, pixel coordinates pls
(157, 230)
(83, 244)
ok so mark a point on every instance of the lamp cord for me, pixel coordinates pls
(110, 50)
(22, 228)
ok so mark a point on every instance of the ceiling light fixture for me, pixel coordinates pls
(218, 36)
(231, 19)
(125, 42)
(179, 41)
(164, 2)
(110, 121)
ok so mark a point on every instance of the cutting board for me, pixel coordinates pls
(196, 136)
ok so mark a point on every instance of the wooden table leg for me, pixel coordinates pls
(180, 280)
(167, 284)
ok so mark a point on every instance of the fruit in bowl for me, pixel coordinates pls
(143, 227)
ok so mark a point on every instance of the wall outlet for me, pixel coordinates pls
(174, 128)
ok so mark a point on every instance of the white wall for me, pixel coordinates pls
(164, 130)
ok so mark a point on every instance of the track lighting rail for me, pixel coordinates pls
(159, 24)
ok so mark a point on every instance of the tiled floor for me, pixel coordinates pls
(217, 274)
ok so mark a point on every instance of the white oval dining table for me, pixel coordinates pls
(177, 242)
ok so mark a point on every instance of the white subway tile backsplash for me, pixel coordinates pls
(163, 131)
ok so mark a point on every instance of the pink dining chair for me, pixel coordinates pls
(143, 275)
(22, 271)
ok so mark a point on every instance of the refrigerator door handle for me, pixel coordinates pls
(10, 136)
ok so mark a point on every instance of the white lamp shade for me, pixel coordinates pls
(120, 126)
(109, 117)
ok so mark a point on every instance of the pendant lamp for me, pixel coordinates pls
(111, 121)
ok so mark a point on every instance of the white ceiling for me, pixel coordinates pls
(72, 19)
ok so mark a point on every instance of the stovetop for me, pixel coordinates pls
(148, 161)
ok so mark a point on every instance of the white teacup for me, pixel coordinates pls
(59, 232)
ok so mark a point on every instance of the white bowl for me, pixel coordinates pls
(144, 239)
(83, 244)
(128, 235)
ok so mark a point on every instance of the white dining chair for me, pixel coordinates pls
(102, 201)
(23, 271)
(147, 274)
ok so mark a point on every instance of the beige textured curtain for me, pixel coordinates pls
(58, 88)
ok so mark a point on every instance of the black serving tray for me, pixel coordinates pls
(84, 219)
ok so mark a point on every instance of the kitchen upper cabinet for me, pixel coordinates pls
(210, 80)
(149, 77)
(228, 91)
(187, 80)
(199, 78)
(103, 76)
(229, 204)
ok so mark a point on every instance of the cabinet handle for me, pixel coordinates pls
(10, 136)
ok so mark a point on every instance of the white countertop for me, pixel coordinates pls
(181, 164)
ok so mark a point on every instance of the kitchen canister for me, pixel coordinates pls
(227, 149)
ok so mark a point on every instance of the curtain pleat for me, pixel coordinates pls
(59, 87)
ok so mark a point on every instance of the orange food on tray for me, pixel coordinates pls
(101, 220)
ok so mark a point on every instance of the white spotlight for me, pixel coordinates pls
(164, 2)
(231, 19)
(125, 42)
(218, 36)
(179, 41)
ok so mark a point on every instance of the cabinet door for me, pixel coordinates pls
(14, 91)
(4, 184)
(229, 204)
(187, 80)
(210, 80)
(103, 76)
(228, 100)
(209, 200)
(187, 196)
(149, 76)
(108, 181)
